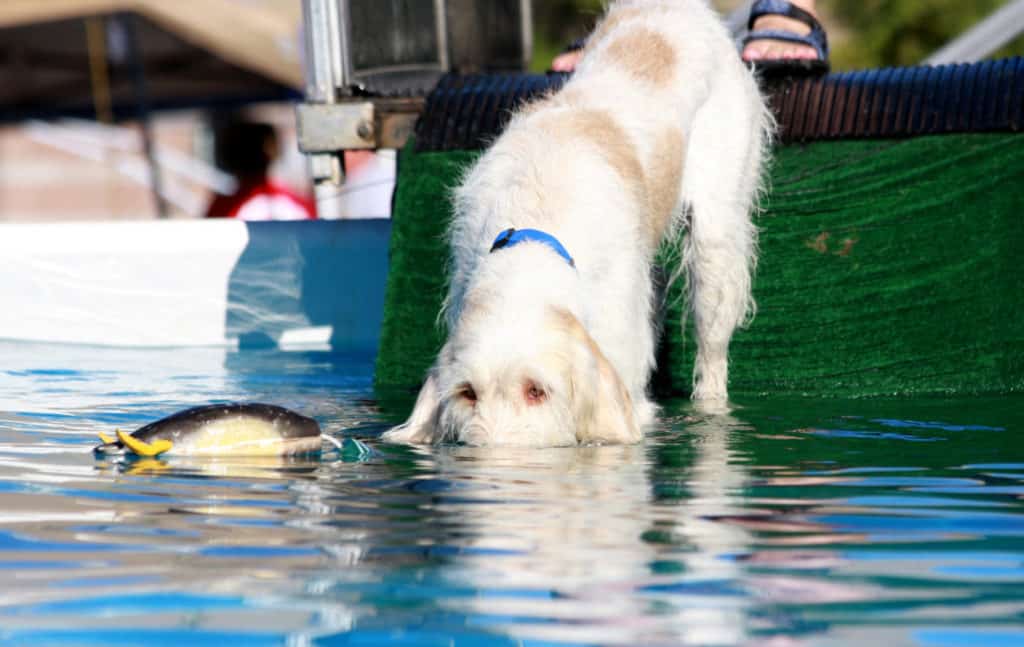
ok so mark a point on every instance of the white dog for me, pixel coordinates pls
(551, 331)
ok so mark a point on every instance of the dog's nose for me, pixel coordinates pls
(476, 435)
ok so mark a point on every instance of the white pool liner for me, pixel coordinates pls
(195, 283)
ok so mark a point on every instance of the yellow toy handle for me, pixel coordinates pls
(143, 448)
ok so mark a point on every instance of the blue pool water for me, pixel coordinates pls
(788, 522)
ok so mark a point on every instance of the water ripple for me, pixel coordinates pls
(785, 522)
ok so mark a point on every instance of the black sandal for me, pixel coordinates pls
(816, 38)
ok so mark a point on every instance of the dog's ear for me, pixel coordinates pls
(421, 427)
(603, 408)
(611, 416)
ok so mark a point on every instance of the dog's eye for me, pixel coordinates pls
(467, 393)
(533, 393)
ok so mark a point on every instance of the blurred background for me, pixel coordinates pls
(862, 33)
(136, 137)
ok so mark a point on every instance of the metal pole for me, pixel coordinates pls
(526, 26)
(324, 55)
(326, 71)
(984, 38)
(138, 72)
(99, 76)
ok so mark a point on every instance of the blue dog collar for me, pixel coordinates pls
(513, 236)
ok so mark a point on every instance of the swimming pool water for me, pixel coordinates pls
(788, 522)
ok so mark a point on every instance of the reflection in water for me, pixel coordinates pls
(574, 544)
(781, 523)
(562, 525)
(701, 540)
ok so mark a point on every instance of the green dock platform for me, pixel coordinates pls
(890, 263)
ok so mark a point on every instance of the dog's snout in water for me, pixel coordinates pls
(251, 429)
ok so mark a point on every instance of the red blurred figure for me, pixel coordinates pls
(246, 150)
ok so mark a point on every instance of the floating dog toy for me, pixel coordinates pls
(220, 430)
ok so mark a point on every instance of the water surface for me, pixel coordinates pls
(787, 522)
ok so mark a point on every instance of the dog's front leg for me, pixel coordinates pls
(422, 426)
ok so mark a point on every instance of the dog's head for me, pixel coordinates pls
(539, 380)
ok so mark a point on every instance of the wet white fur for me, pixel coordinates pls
(502, 308)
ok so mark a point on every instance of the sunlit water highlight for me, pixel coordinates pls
(785, 523)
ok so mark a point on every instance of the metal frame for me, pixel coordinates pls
(333, 119)
(328, 33)
(339, 114)
(356, 124)
(351, 77)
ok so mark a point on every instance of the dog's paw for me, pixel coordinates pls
(709, 389)
(406, 434)
(711, 378)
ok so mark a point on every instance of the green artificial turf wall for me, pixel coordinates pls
(887, 267)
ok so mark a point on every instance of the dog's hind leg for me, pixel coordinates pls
(720, 186)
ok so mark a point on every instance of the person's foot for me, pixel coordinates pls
(757, 49)
(778, 50)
